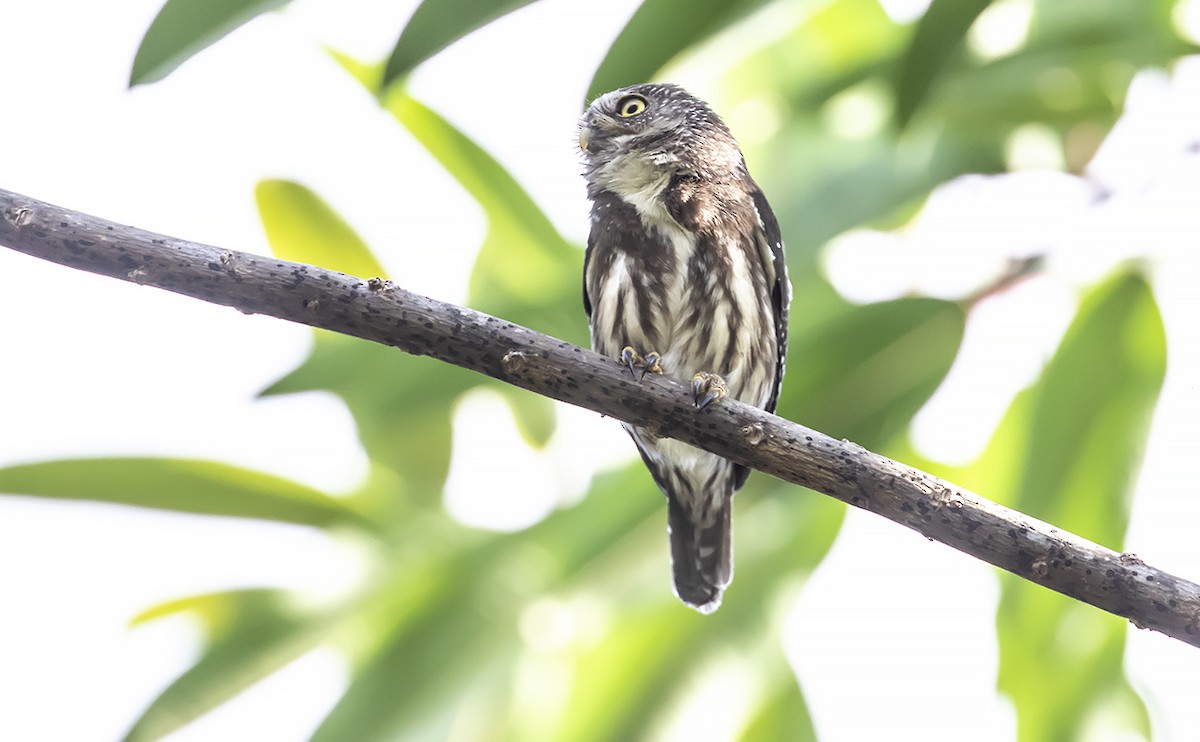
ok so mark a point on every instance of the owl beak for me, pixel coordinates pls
(585, 136)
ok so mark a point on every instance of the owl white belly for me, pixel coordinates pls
(689, 343)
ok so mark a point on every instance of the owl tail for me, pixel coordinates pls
(701, 556)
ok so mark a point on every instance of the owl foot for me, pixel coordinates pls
(707, 387)
(633, 360)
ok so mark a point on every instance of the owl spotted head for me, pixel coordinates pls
(627, 106)
(641, 116)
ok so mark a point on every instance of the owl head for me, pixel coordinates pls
(659, 123)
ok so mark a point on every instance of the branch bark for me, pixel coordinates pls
(378, 311)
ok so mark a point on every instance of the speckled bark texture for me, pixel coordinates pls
(376, 310)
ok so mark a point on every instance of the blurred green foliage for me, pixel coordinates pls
(441, 629)
(436, 24)
(1072, 448)
(185, 27)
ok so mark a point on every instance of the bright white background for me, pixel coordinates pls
(893, 636)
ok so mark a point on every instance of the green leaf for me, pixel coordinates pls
(782, 712)
(831, 48)
(845, 184)
(663, 644)
(1091, 93)
(781, 534)
(180, 485)
(446, 623)
(525, 266)
(579, 536)
(659, 30)
(251, 634)
(533, 414)
(436, 24)
(302, 227)
(863, 373)
(1076, 439)
(1091, 410)
(1080, 54)
(184, 27)
(443, 648)
(937, 36)
(401, 405)
(821, 179)
(525, 271)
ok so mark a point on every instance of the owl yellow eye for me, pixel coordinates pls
(631, 105)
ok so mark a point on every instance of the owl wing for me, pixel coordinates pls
(587, 260)
(771, 248)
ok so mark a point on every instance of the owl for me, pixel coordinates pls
(684, 275)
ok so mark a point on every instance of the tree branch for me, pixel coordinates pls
(379, 311)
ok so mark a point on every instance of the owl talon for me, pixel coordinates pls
(706, 388)
(633, 360)
(653, 364)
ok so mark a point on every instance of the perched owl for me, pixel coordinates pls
(685, 276)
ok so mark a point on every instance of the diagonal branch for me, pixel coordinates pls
(379, 311)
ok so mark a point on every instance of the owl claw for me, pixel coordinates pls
(706, 388)
(653, 364)
(633, 360)
(630, 358)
